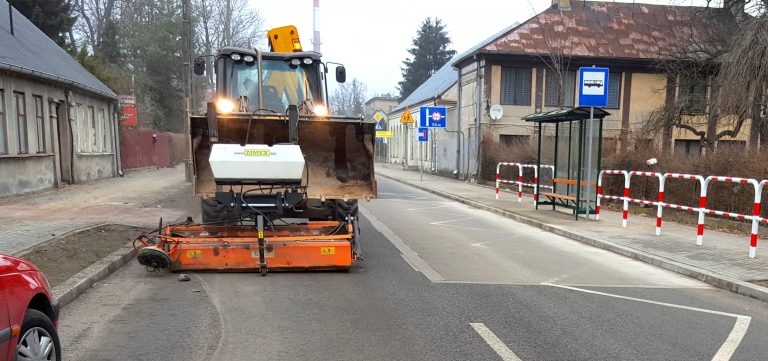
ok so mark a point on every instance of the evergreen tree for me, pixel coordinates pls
(428, 53)
(53, 17)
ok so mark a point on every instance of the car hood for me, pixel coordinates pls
(11, 264)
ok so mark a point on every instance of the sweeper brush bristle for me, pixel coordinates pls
(153, 258)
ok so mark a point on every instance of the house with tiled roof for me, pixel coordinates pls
(58, 122)
(533, 68)
(441, 152)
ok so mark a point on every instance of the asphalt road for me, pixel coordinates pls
(440, 281)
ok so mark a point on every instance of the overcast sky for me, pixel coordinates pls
(371, 38)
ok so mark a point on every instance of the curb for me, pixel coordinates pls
(75, 286)
(714, 279)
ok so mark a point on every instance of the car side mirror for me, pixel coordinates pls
(341, 74)
(199, 69)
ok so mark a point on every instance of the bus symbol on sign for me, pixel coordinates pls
(593, 83)
(436, 116)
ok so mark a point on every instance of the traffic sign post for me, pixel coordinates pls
(423, 136)
(593, 92)
(432, 117)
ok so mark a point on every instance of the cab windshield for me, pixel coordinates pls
(283, 84)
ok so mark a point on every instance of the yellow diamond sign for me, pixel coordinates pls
(377, 117)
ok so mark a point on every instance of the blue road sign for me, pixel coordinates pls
(423, 134)
(432, 117)
(593, 87)
(379, 126)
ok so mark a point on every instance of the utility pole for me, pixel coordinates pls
(188, 94)
(316, 27)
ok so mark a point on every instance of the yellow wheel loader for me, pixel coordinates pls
(279, 175)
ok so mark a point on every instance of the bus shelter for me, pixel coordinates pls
(570, 140)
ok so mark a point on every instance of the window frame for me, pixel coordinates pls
(40, 123)
(92, 140)
(618, 90)
(548, 102)
(3, 124)
(102, 119)
(689, 85)
(21, 123)
(508, 95)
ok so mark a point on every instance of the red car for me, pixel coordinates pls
(28, 313)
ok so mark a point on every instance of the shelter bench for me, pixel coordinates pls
(568, 201)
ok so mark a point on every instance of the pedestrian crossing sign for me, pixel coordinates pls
(379, 126)
(406, 118)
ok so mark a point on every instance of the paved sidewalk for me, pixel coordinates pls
(138, 199)
(722, 260)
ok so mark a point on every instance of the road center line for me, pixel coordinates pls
(492, 340)
(726, 349)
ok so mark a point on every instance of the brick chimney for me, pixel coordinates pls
(562, 4)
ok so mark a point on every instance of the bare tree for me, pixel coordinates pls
(93, 19)
(220, 23)
(721, 73)
(349, 99)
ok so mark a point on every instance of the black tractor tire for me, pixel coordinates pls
(217, 212)
(35, 320)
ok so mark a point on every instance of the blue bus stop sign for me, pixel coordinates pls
(432, 117)
(593, 87)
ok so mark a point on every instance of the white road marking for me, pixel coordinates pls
(408, 262)
(410, 255)
(492, 340)
(451, 220)
(728, 347)
(428, 208)
(479, 244)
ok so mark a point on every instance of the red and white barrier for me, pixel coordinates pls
(702, 209)
(600, 194)
(754, 217)
(659, 201)
(702, 201)
(520, 184)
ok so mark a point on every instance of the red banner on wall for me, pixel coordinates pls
(128, 105)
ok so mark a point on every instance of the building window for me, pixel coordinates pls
(693, 95)
(39, 123)
(82, 131)
(556, 96)
(731, 146)
(516, 86)
(687, 148)
(104, 128)
(3, 128)
(92, 146)
(514, 140)
(21, 122)
(614, 90)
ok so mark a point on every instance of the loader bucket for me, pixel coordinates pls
(338, 151)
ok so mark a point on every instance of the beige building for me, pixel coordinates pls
(57, 121)
(533, 68)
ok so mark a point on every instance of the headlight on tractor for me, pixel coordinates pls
(225, 106)
(320, 110)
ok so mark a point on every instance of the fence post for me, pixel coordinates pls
(756, 219)
(625, 209)
(599, 194)
(702, 209)
(660, 208)
(498, 166)
(520, 183)
(535, 186)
